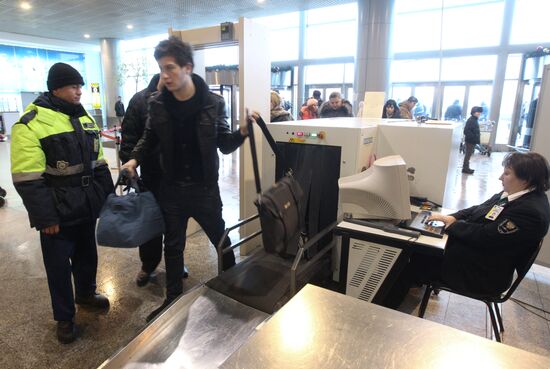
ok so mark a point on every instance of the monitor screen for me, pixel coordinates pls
(380, 192)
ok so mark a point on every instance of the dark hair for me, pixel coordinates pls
(531, 167)
(335, 95)
(476, 109)
(396, 112)
(180, 50)
(412, 99)
(316, 94)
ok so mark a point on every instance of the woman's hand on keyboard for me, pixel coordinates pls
(447, 219)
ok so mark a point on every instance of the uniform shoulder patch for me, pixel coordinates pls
(507, 227)
(26, 118)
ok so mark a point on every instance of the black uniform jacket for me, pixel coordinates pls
(481, 254)
(213, 132)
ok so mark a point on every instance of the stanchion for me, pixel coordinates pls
(117, 140)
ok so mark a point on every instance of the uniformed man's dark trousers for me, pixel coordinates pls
(71, 252)
(178, 204)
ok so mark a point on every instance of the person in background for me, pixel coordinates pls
(454, 111)
(59, 170)
(189, 124)
(390, 110)
(472, 137)
(336, 107)
(278, 114)
(317, 96)
(119, 109)
(406, 107)
(310, 110)
(487, 241)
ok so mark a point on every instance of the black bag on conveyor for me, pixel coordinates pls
(281, 206)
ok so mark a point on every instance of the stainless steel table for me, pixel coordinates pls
(200, 330)
(323, 329)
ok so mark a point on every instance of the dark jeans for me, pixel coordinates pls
(179, 203)
(71, 251)
(150, 253)
(468, 151)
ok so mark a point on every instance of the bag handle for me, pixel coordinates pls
(254, 154)
(273, 144)
(124, 179)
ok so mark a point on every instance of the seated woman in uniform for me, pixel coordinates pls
(390, 110)
(486, 241)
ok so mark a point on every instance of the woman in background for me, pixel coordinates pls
(278, 114)
(391, 110)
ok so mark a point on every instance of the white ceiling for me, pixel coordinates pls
(69, 20)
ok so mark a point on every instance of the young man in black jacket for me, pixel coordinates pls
(189, 124)
(133, 125)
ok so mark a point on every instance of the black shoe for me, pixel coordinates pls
(143, 278)
(157, 311)
(66, 331)
(185, 272)
(96, 301)
(468, 171)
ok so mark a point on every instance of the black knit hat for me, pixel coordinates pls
(61, 75)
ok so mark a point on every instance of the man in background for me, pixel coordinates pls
(119, 109)
(406, 107)
(336, 107)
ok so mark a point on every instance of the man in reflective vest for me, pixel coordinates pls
(59, 171)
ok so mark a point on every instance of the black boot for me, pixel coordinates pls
(95, 301)
(157, 311)
(66, 331)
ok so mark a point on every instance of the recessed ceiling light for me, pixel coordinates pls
(25, 5)
(129, 26)
(260, 1)
(86, 35)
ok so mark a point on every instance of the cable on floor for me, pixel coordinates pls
(524, 305)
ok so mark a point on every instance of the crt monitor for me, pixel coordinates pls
(380, 192)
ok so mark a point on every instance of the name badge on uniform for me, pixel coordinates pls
(494, 212)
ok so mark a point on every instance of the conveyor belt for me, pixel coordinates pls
(200, 330)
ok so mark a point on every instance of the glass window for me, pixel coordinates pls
(425, 96)
(221, 56)
(331, 32)
(415, 70)
(530, 22)
(325, 74)
(469, 68)
(476, 25)
(417, 31)
(513, 66)
(480, 96)
(506, 110)
(401, 93)
(283, 35)
(453, 99)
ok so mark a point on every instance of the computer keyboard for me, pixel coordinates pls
(419, 222)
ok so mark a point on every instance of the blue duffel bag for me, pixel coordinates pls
(129, 220)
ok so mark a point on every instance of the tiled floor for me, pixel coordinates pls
(27, 338)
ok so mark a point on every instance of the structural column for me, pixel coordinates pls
(373, 58)
(111, 89)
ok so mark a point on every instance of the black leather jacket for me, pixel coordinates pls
(213, 133)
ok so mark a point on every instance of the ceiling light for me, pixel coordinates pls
(86, 35)
(260, 1)
(129, 26)
(25, 5)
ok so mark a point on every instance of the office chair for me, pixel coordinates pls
(491, 301)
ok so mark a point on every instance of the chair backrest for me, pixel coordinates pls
(521, 269)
